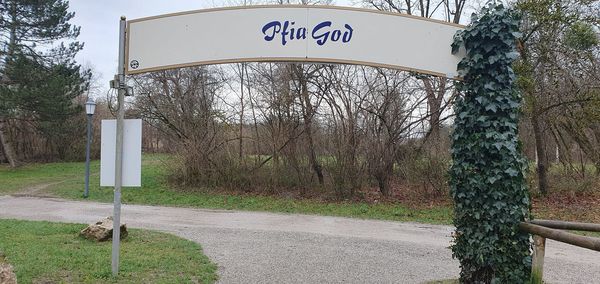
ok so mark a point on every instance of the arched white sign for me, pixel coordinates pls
(291, 33)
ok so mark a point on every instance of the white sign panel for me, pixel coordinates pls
(132, 152)
(291, 33)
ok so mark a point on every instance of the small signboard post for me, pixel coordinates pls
(119, 84)
(120, 165)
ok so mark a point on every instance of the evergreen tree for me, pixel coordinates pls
(39, 78)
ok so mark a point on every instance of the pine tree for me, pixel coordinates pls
(37, 49)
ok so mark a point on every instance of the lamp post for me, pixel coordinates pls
(90, 107)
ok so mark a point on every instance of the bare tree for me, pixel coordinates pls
(392, 115)
(342, 115)
(545, 56)
(309, 100)
(436, 88)
(182, 103)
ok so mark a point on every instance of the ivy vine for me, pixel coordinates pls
(487, 176)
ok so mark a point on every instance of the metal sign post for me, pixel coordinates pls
(120, 82)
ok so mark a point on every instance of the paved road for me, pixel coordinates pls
(256, 247)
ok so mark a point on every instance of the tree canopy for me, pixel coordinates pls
(39, 77)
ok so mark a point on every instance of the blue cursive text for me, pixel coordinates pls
(321, 33)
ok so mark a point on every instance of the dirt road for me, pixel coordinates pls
(257, 247)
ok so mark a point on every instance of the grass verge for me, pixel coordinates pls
(66, 180)
(32, 175)
(156, 191)
(44, 252)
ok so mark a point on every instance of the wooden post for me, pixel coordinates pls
(542, 229)
(537, 265)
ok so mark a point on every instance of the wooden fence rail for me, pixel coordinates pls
(561, 236)
(563, 225)
(551, 229)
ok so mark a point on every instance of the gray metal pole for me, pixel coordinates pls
(86, 193)
(116, 237)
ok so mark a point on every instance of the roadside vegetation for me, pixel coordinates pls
(44, 252)
(66, 180)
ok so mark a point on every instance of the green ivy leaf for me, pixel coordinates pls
(486, 178)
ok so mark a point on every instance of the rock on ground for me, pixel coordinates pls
(7, 275)
(102, 230)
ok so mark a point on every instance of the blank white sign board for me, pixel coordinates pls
(132, 152)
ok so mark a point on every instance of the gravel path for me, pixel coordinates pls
(257, 247)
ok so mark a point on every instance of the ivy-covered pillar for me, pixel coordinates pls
(488, 171)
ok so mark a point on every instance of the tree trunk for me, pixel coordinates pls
(7, 148)
(383, 177)
(384, 186)
(595, 153)
(241, 149)
(308, 117)
(542, 162)
(257, 149)
(435, 95)
(311, 153)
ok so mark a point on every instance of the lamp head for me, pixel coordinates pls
(90, 106)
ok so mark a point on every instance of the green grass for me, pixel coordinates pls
(44, 252)
(66, 180)
(13, 180)
(587, 234)
(156, 191)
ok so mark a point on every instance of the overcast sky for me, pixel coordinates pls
(99, 22)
